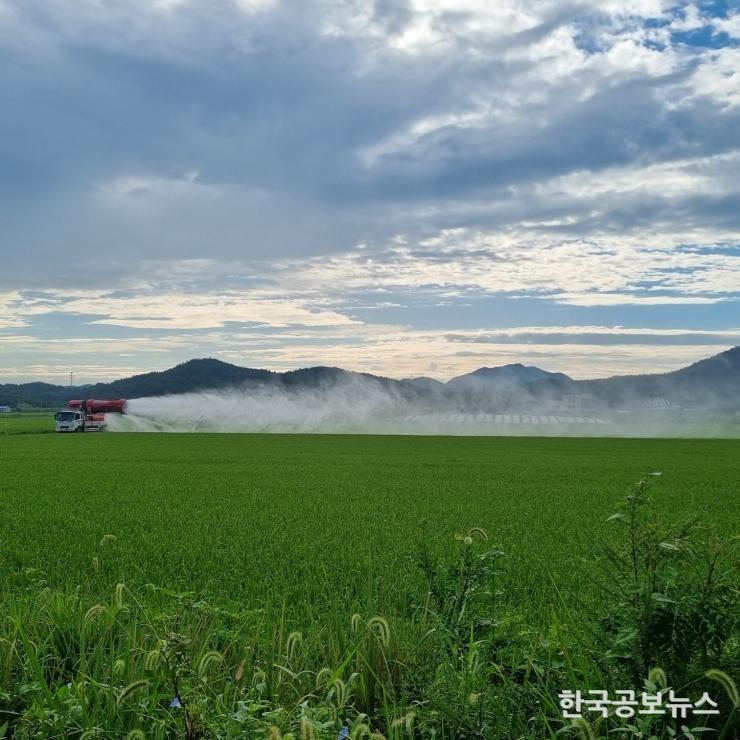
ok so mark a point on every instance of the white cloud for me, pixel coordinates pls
(718, 76)
(175, 310)
(622, 299)
(9, 316)
(389, 350)
(729, 25)
(627, 57)
(691, 20)
(675, 179)
(256, 6)
(604, 271)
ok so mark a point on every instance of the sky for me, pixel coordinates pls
(401, 187)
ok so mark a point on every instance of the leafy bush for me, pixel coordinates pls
(673, 593)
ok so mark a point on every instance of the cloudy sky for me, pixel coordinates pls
(393, 186)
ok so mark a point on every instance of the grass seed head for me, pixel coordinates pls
(359, 731)
(119, 595)
(131, 689)
(583, 728)
(151, 662)
(307, 730)
(211, 658)
(323, 677)
(727, 683)
(658, 677)
(291, 644)
(239, 672)
(94, 611)
(407, 721)
(381, 628)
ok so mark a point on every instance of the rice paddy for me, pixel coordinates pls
(297, 563)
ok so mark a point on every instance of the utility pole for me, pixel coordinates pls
(71, 378)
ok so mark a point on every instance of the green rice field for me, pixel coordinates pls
(27, 422)
(237, 585)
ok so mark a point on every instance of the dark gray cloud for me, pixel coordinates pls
(269, 100)
(251, 132)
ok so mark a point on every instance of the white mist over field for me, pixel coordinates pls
(366, 405)
(355, 405)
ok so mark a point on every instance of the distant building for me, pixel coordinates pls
(4, 409)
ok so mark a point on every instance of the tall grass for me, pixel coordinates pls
(458, 662)
(324, 588)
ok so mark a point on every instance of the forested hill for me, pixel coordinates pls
(713, 382)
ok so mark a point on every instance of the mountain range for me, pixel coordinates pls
(713, 383)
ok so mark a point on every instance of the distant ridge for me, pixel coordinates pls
(713, 382)
(504, 377)
(710, 383)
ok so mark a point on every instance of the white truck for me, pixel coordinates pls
(86, 416)
(71, 420)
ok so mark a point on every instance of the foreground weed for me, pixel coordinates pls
(674, 593)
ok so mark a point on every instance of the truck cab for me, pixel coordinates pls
(69, 421)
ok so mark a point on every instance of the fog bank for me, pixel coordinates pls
(364, 406)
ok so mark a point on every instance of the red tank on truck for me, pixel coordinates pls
(87, 416)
